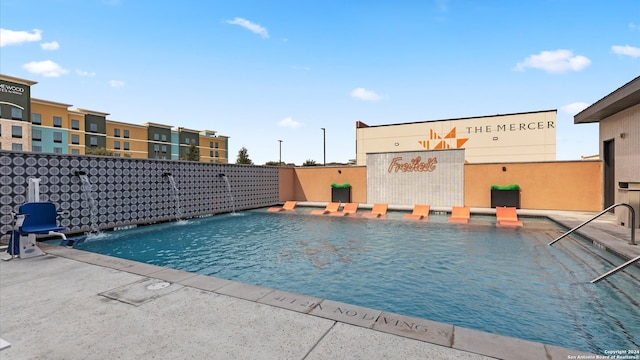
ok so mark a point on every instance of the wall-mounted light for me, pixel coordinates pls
(396, 144)
(623, 135)
(339, 171)
(495, 138)
(504, 168)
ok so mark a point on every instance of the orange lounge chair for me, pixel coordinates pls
(459, 214)
(289, 205)
(331, 207)
(379, 210)
(349, 208)
(419, 212)
(507, 217)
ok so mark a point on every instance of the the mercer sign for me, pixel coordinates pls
(414, 165)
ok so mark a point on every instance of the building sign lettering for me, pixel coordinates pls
(11, 89)
(415, 164)
(539, 125)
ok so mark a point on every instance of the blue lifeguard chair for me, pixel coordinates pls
(33, 218)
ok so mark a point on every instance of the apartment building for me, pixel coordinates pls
(37, 125)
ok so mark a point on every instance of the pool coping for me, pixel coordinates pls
(446, 335)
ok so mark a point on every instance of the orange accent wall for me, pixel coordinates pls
(556, 185)
(314, 183)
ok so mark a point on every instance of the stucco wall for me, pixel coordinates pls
(557, 185)
(564, 185)
(314, 183)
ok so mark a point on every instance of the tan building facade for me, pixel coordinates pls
(520, 137)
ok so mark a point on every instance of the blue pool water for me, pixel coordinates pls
(502, 281)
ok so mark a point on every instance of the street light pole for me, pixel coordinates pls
(324, 145)
(280, 141)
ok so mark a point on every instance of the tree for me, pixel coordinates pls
(309, 162)
(100, 151)
(272, 163)
(192, 153)
(243, 157)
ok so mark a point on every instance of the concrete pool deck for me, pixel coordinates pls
(72, 304)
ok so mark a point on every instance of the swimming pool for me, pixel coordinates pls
(502, 281)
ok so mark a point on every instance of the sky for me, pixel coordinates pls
(263, 71)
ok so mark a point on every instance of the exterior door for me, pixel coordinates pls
(609, 173)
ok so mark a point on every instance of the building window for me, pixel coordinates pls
(116, 132)
(164, 148)
(126, 134)
(116, 145)
(16, 113)
(211, 144)
(16, 131)
(116, 155)
(187, 141)
(75, 152)
(217, 154)
(126, 145)
(57, 137)
(217, 145)
(93, 141)
(57, 150)
(75, 139)
(36, 148)
(156, 136)
(16, 147)
(36, 134)
(57, 121)
(156, 148)
(93, 127)
(211, 153)
(36, 119)
(75, 124)
(164, 137)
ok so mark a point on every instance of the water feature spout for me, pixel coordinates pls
(87, 190)
(176, 194)
(226, 180)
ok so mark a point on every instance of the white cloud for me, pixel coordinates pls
(46, 68)
(85, 73)
(116, 83)
(289, 122)
(255, 28)
(364, 94)
(557, 61)
(574, 108)
(633, 27)
(50, 45)
(626, 50)
(10, 37)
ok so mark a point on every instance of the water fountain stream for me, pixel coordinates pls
(87, 190)
(176, 195)
(226, 180)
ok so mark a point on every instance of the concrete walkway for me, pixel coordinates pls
(72, 304)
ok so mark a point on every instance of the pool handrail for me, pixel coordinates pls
(632, 215)
(615, 270)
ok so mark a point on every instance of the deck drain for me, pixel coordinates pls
(158, 285)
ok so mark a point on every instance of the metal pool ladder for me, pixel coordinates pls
(632, 215)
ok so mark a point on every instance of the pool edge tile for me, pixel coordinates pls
(290, 301)
(415, 328)
(244, 291)
(171, 275)
(203, 282)
(498, 346)
(346, 313)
